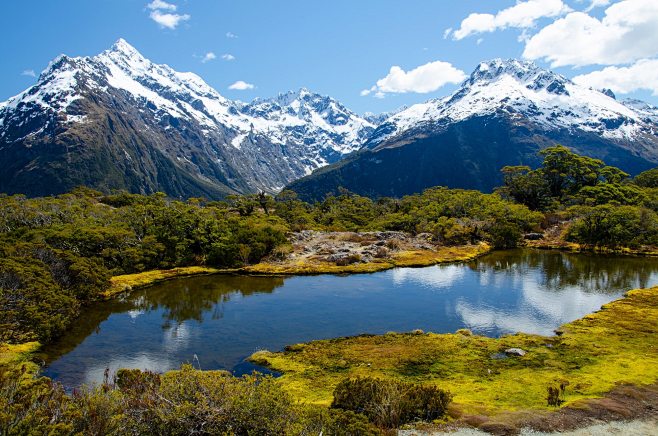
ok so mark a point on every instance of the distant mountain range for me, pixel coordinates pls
(501, 115)
(119, 121)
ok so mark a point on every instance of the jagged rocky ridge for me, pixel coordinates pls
(120, 121)
(501, 115)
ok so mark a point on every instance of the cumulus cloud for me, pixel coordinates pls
(29, 73)
(241, 85)
(170, 21)
(643, 75)
(228, 57)
(628, 32)
(231, 35)
(208, 57)
(162, 5)
(422, 79)
(522, 15)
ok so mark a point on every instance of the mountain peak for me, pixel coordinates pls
(525, 73)
(123, 53)
(122, 46)
(496, 68)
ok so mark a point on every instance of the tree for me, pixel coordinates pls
(566, 172)
(647, 179)
(526, 187)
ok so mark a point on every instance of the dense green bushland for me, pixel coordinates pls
(450, 216)
(183, 402)
(58, 253)
(607, 209)
(390, 403)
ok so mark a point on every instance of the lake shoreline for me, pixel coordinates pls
(464, 418)
(324, 253)
(607, 361)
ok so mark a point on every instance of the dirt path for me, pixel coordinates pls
(626, 410)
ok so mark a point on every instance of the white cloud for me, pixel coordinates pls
(522, 15)
(170, 21)
(623, 80)
(228, 57)
(29, 73)
(628, 32)
(597, 4)
(241, 85)
(231, 35)
(422, 79)
(208, 57)
(162, 5)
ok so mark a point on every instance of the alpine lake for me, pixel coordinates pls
(216, 322)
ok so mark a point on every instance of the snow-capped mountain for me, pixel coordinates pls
(646, 111)
(319, 122)
(120, 121)
(501, 115)
(521, 89)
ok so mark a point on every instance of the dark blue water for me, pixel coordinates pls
(215, 322)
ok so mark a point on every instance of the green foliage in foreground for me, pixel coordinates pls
(182, 402)
(614, 226)
(389, 403)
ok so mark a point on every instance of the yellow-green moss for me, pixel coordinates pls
(16, 354)
(618, 344)
(414, 258)
(127, 282)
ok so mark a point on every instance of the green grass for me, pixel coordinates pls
(618, 344)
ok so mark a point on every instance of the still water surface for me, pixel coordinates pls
(223, 319)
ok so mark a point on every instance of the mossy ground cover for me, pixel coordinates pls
(618, 344)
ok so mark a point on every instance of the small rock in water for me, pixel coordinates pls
(515, 352)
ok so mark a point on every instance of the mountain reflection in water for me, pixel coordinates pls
(222, 319)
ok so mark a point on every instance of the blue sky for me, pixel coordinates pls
(342, 48)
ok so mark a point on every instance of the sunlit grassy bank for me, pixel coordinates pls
(618, 344)
(127, 282)
(16, 354)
